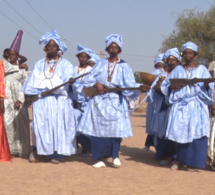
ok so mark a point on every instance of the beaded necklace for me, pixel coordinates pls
(52, 67)
(110, 65)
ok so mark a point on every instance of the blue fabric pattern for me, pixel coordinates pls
(189, 114)
(53, 115)
(156, 119)
(107, 115)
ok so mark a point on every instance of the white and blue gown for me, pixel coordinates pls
(106, 117)
(158, 122)
(80, 102)
(53, 115)
(189, 123)
(149, 114)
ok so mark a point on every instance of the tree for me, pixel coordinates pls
(198, 27)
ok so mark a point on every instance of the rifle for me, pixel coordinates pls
(93, 91)
(191, 81)
(34, 98)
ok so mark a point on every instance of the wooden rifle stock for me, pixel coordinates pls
(191, 81)
(47, 92)
(92, 91)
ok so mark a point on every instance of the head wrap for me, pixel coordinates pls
(17, 42)
(81, 49)
(172, 52)
(159, 58)
(114, 38)
(189, 45)
(94, 57)
(63, 47)
(54, 36)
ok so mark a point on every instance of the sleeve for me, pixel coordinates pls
(165, 86)
(207, 95)
(28, 87)
(9, 68)
(151, 92)
(69, 71)
(91, 79)
(166, 91)
(128, 80)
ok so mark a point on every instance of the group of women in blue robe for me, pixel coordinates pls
(183, 131)
(177, 114)
(158, 108)
(101, 121)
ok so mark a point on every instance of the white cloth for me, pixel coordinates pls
(16, 121)
(53, 115)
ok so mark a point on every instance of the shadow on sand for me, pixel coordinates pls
(148, 157)
(138, 155)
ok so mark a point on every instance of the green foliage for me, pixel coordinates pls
(198, 27)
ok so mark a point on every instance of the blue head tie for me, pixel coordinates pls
(159, 58)
(114, 38)
(53, 36)
(189, 45)
(81, 49)
(95, 58)
(172, 52)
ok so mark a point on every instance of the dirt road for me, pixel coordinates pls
(139, 174)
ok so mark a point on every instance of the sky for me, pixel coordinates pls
(143, 24)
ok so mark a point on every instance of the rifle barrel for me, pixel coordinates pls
(47, 92)
(92, 91)
(122, 89)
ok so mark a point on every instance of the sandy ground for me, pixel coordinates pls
(139, 174)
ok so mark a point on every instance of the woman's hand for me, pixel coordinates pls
(23, 66)
(71, 81)
(145, 88)
(17, 105)
(101, 88)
